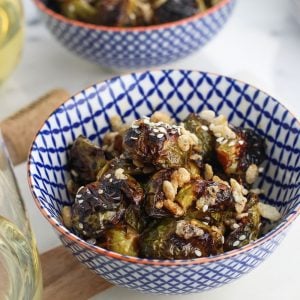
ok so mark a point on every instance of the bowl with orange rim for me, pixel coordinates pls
(136, 47)
(178, 93)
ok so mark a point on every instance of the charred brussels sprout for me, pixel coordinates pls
(85, 160)
(237, 155)
(200, 128)
(123, 240)
(182, 239)
(155, 144)
(81, 10)
(96, 208)
(173, 10)
(155, 195)
(135, 217)
(206, 195)
(100, 205)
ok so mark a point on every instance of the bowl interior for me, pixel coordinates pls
(178, 93)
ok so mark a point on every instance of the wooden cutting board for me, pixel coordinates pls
(66, 278)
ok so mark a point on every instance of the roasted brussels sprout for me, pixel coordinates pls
(158, 144)
(85, 160)
(155, 195)
(173, 10)
(246, 150)
(96, 208)
(81, 10)
(172, 239)
(136, 218)
(123, 240)
(206, 195)
(200, 128)
(101, 204)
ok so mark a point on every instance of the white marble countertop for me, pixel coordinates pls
(260, 44)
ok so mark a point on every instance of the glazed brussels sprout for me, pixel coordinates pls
(168, 191)
(123, 240)
(242, 155)
(85, 160)
(102, 204)
(182, 239)
(173, 10)
(156, 144)
(200, 128)
(126, 13)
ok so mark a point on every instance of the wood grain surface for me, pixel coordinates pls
(65, 278)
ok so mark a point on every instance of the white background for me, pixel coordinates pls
(260, 44)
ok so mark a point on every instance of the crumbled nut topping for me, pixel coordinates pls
(251, 174)
(161, 117)
(207, 115)
(238, 195)
(169, 190)
(220, 128)
(119, 174)
(116, 123)
(180, 177)
(184, 142)
(174, 208)
(208, 172)
(159, 204)
(269, 212)
(219, 180)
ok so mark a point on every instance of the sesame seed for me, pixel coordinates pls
(152, 134)
(223, 239)
(155, 130)
(82, 187)
(241, 142)
(205, 128)
(236, 243)
(224, 142)
(232, 143)
(133, 138)
(80, 201)
(235, 226)
(205, 208)
(74, 173)
(242, 237)
(220, 139)
(260, 170)
(134, 126)
(78, 196)
(107, 176)
(100, 191)
(91, 241)
(198, 253)
(84, 232)
(161, 135)
(110, 180)
(205, 223)
(80, 225)
(146, 121)
(162, 129)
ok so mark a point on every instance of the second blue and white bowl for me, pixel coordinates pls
(139, 47)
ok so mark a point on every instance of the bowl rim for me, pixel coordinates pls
(290, 218)
(43, 7)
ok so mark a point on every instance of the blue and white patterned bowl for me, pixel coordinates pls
(139, 47)
(177, 93)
